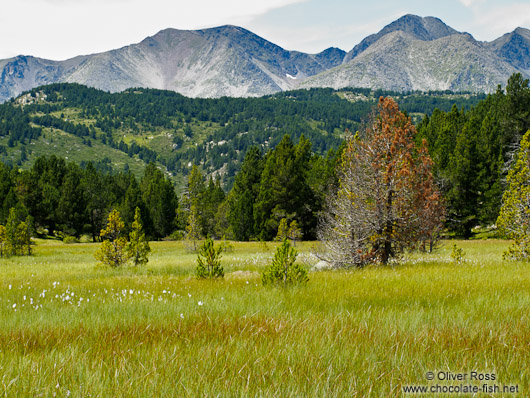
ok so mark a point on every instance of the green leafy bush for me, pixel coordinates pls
(283, 269)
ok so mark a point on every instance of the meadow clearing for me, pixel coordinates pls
(69, 328)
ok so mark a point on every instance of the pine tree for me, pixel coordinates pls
(193, 228)
(97, 200)
(11, 233)
(284, 270)
(283, 190)
(193, 195)
(71, 206)
(211, 200)
(138, 247)
(209, 260)
(113, 248)
(514, 217)
(23, 239)
(4, 245)
(243, 196)
(283, 230)
(160, 199)
(294, 233)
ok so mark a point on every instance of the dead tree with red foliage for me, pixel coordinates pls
(386, 201)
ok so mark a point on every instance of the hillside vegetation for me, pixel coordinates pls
(123, 131)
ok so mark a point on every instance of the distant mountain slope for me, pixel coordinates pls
(415, 53)
(398, 61)
(216, 62)
(426, 29)
(23, 73)
(127, 130)
(411, 53)
(514, 48)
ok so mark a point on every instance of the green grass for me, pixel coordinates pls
(80, 330)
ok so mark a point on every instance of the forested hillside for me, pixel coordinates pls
(128, 130)
(238, 168)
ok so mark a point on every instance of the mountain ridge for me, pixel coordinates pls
(232, 61)
(396, 61)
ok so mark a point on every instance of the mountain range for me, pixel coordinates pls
(411, 53)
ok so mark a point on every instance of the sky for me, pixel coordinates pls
(61, 29)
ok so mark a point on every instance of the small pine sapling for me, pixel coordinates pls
(457, 255)
(138, 248)
(284, 270)
(209, 260)
(112, 251)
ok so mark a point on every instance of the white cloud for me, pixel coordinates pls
(468, 3)
(494, 22)
(59, 29)
(316, 38)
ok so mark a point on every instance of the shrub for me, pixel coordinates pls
(209, 260)
(70, 239)
(457, 255)
(283, 269)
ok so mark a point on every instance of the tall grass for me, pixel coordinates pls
(68, 328)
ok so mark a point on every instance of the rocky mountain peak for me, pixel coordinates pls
(514, 48)
(426, 29)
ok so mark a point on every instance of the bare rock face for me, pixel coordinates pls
(425, 29)
(411, 53)
(514, 48)
(227, 60)
(399, 61)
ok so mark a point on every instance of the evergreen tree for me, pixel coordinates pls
(138, 247)
(112, 251)
(193, 195)
(283, 230)
(133, 200)
(11, 233)
(243, 195)
(47, 175)
(209, 260)
(97, 200)
(284, 270)
(211, 200)
(8, 198)
(71, 207)
(4, 244)
(193, 228)
(23, 239)
(160, 199)
(284, 191)
(514, 217)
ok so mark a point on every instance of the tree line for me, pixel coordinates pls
(67, 200)
(64, 199)
(472, 151)
(233, 125)
(283, 187)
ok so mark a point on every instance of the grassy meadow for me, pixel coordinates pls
(69, 328)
